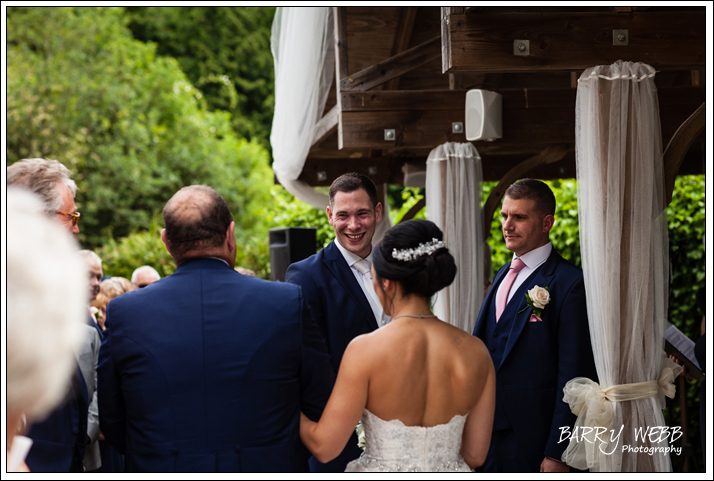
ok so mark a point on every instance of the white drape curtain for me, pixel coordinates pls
(454, 186)
(624, 249)
(302, 43)
(303, 46)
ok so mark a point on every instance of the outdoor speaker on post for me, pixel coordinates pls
(483, 115)
(288, 245)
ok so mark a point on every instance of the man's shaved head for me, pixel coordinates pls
(196, 217)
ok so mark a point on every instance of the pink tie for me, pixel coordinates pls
(516, 266)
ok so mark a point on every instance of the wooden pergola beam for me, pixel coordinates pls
(572, 40)
(407, 15)
(678, 147)
(326, 126)
(392, 67)
(423, 119)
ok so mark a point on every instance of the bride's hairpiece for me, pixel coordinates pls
(415, 252)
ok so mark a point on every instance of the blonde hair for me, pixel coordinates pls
(46, 306)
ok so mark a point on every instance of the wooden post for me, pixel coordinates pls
(340, 18)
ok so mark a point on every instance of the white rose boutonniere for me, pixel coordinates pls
(537, 298)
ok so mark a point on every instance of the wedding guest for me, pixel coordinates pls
(143, 276)
(51, 181)
(87, 358)
(60, 440)
(534, 323)
(95, 273)
(424, 389)
(46, 291)
(206, 369)
(337, 281)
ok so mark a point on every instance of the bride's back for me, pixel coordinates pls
(423, 372)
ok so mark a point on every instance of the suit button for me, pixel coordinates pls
(238, 448)
(493, 349)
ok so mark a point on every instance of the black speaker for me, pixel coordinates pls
(288, 245)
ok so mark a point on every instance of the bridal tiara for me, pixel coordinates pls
(416, 252)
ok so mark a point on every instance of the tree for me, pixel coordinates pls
(126, 122)
(225, 52)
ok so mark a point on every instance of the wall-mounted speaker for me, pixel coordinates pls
(483, 115)
(288, 245)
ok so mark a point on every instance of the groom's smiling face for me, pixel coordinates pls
(354, 217)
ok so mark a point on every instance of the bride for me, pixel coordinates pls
(425, 390)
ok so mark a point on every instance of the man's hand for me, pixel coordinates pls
(552, 466)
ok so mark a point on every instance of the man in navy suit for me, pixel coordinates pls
(207, 369)
(337, 281)
(536, 349)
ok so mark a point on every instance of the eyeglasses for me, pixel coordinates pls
(75, 217)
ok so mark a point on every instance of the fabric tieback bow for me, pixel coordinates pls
(593, 407)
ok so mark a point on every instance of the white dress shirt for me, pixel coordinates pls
(367, 287)
(533, 260)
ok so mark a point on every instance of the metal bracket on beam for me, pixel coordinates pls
(390, 135)
(522, 48)
(620, 37)
(321, 176)
(457, 127)
(372, 170)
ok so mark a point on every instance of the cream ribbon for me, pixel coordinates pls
(593, 407)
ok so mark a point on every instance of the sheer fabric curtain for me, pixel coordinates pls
(303, 46)
(302, 43)
(624, 248)
(454, 186)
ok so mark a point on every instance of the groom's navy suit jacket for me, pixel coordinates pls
(208, 370)
(342, 312)
(534, 360)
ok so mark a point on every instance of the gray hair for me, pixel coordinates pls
(41, 177)
(144, 270)
(90, 257)
(46, 306)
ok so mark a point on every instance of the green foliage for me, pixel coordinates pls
(686, 216)
(225, 52)
(127, 123)
(409, 196)
(291, 212)
(120, 258)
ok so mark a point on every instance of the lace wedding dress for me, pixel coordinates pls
(392, 446)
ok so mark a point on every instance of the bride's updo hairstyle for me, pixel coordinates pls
(424, 269)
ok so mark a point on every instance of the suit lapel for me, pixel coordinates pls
(336, 264)
(484, 313)
(541, 277)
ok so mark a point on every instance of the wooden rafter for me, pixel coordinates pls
(423, 119)
(572, 40)
(392, 67)
(679, 145)
(409, 215)
(407, 15)
(326, 126)
(548, 156)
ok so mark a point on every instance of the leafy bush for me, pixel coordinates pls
(127, 123)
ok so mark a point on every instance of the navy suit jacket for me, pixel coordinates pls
(539, 358)
(59, 441)
(342, 312)
(208, 370)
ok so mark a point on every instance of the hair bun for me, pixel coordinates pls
(424, 274)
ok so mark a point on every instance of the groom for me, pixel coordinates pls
(337, 281)
(535, 351)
